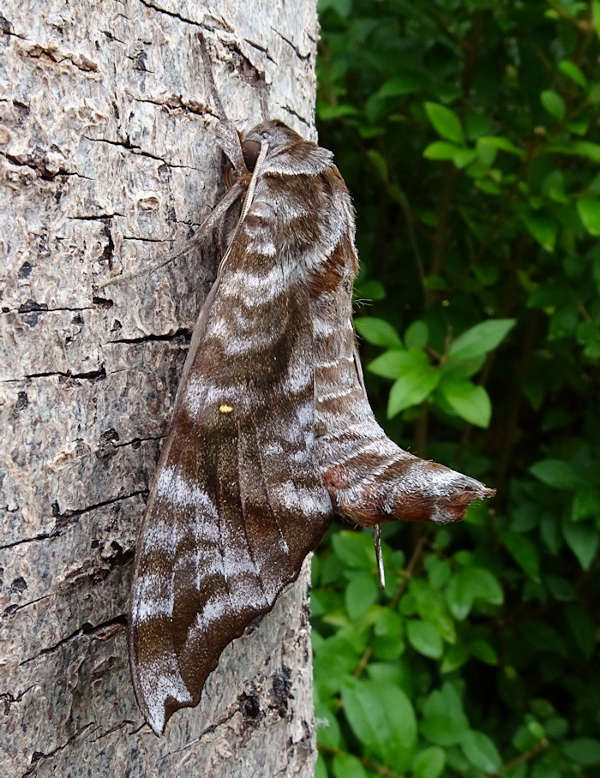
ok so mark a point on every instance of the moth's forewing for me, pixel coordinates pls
(238, 500)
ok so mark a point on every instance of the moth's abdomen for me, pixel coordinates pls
(369, 478)
(374, 487)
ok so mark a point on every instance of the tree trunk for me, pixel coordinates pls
(108, 160)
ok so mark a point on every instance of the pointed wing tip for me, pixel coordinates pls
(157, 726)
(158, 718)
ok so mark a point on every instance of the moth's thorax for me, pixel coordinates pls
(289, 153)
(301, 213)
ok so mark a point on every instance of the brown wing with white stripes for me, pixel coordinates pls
(271, 434)
(238, 501)
(371, 480)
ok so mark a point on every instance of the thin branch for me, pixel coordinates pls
(540, 746)
(406, 576)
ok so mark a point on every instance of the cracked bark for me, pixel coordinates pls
(107, 161)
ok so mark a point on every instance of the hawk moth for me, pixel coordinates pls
(272, 433)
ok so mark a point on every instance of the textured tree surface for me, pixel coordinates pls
(108, 160)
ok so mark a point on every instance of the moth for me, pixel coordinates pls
(272, 433)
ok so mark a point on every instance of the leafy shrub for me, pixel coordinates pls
(467, 133)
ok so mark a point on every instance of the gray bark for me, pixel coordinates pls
(108, 160)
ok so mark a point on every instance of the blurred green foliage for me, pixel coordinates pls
(468, 133)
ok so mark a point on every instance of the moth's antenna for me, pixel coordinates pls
(377, 541)
(206, 61)
(227, 135)
(264, 148)
(264, 105)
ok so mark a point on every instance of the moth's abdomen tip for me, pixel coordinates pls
(463, 491)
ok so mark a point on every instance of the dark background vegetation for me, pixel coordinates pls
(468, 134)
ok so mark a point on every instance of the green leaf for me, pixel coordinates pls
(410, 389)
(429, 763)
(383, 719)
(584, 751)
(470, 584)
(328, 729)
(553, 103)
(320, 767)
(431, 607)
(463, 157)
(329, 112)
(445, 121)
(395, 363)
(487, 186)
(379, 163)
(582, 628)
(388, 647)
(580, 148)
(416, 335)
(499, 143)
(439, 572)
(404, 84)
(370, 290)
(343, 7)
(347, 766)
(589, 213)
(378, 332)
(440, 150)
(388, 622)
(460, 155)
(424, 638)
(444, 722)
(480, 339)
(543, 637)
(486, 151)
(459, 595)
(556, 473)
(483, 651)
(582, 538)
(572, 71)
(560, 588)
(481, 751)
(361, 593)
(354, 549)
(435, 283)
(463, 369)
(542, 227)
(335, 659)
(388, 643)
(596, 15)
(470, 402)
(454, 658)
(523, 551)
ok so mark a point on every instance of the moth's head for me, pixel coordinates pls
(288, 154)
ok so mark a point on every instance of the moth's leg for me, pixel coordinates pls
(210, 224)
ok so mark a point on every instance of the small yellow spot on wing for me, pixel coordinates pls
(225, 408)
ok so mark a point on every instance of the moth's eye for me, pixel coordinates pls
(250, 150)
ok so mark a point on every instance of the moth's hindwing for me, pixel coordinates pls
(238, 501)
